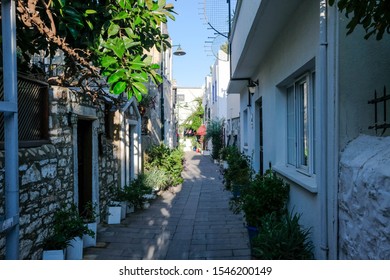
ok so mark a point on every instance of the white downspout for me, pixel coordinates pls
(322, 131)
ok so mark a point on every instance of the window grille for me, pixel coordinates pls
(380, 124)
(33, 112)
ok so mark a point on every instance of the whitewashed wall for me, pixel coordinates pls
(364, 199)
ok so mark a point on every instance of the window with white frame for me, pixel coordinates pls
(300, 124)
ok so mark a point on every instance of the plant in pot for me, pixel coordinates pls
(90, 215)
(54, 246)
(67, 232)
(156, 178)
(282, 238)
(118, 195)
(136, 193)
(114, 210)
(239, 172)
(264, 195)
(75, 228)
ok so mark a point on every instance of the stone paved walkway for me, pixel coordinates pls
(193, 221)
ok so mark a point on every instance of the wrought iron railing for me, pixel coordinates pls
(381, 122)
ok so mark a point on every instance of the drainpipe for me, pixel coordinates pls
(323, 101)
(11, 222)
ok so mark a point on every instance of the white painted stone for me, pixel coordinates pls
(32, 175)
(364, 199)
(49, 171)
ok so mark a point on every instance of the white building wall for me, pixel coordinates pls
(295, 48)
(359, 76)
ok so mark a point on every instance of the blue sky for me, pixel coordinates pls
(190, 31)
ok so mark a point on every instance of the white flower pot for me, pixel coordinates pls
(130, 208)
(53, 255)
(146, 205)
(124, 209)
(89, 241)
(75, 249)
(114, 215)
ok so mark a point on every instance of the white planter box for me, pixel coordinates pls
(206, 153)
(114, 215)
(146, 205)
(130, 208)
(123, 210)
(53, 255)
(75, 249)
(89, 241)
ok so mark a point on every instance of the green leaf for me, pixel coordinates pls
(90, 25)
(137, 93)
(129, 32)
(119, 87)
(137, 63)
(107, 61)
(90, 12)
(120, 74)
(141, 87)
(121, 15)
(74, 32)
(140, 77)
(119, 47)
(149, 4)
(130, 42)
(122, 3)
(155, 66)
(137, 20)
(113, 29)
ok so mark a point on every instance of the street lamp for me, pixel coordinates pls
(179, 52)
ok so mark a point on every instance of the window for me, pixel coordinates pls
(300, 124)
(33, 112)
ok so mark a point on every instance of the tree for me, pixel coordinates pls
(195, 119)
(103, 41)
(373, 15)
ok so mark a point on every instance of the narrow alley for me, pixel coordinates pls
(192, 221)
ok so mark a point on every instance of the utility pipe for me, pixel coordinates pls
(11, 222)
(322, 102)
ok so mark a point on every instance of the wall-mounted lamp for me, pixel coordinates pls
(179, 51)
(252, 86)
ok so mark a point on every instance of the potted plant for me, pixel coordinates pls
(90, 219)
(136, 193)
(156, 178)
(282, 238)
(67, 231)
(54, 246)
(114, 213)
(119, 198)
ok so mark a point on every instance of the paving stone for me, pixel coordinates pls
(191, 221)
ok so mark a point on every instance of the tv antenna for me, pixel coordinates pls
(218, 16)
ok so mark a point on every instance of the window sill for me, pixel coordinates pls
(307, 182)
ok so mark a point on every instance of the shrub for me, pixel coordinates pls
(168, 160)
(239, 171)
(67, 224)
(215, 133)
(136, 191)
(282, 239)
(157, 179)
(265, 194)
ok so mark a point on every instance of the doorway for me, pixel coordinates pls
(84, 159)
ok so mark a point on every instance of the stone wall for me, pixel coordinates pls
(364, 199)
(46, 173)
